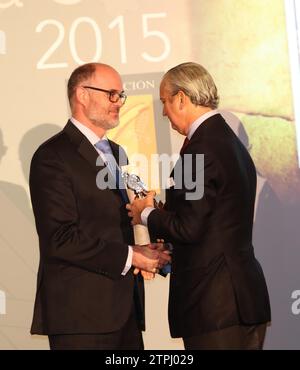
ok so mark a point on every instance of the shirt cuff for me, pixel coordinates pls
(145, 214)
(128, 261)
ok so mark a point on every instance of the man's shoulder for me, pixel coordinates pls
(52, 145)
(214, 133)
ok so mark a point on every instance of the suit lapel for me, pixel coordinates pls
(90, 154)
(121, 159)
(83, 146)
(114, 149)
(119, 154)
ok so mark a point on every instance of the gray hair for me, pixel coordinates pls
(195, 82)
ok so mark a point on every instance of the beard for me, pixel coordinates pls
(104, 120)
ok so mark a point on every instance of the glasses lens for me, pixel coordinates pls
(114, 97)
(123, 98)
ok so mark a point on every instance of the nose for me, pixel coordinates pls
(119, 104)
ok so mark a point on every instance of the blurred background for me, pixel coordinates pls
(250, 47)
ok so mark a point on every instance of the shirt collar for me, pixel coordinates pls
(199, 121)
(87, 132)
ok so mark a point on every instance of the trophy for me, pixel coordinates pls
(134, 183)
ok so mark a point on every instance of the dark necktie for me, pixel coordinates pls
(104, 147)
(184, 145)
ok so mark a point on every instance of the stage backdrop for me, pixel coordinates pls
(251, 49)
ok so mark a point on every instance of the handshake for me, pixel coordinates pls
(150, 258)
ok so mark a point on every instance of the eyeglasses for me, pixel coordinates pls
(113, 95)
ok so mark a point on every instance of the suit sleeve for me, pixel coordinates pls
(185, 220)
(57, 221)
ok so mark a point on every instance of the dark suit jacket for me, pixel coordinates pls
(84, 233)
(216, 282)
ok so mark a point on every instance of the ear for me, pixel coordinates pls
(182, 99)
(82, 95)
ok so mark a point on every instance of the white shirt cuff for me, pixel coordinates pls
(128, 261)
(145, 214)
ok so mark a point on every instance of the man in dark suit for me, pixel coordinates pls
(218, 297)
(87, 294)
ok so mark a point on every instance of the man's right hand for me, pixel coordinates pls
(150, 257)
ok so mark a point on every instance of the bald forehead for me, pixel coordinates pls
(107, 76)
(105, 68)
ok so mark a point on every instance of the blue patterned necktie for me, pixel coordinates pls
(104, 147)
